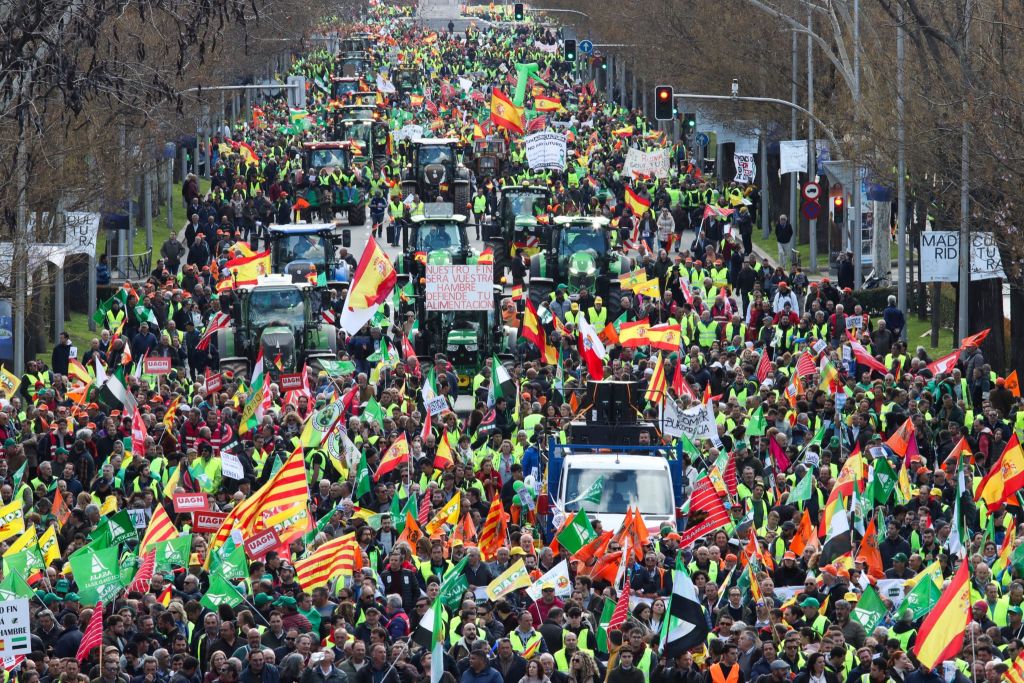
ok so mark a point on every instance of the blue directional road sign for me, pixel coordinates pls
(702, 139)
(585, 46)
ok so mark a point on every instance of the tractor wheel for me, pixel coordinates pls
(501, 258)
(540, 291)
(612, 301)
(236, 365)
(409, 187)
(357, 215)
(461, 197)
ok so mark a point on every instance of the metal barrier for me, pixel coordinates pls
(130, 266)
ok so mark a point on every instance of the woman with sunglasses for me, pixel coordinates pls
(583, 669)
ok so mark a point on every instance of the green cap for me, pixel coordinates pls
(71, 597)
(810, 602)
(50, 598)
(1015, 608)
(285, 601)
(62, 586)
(262, 599)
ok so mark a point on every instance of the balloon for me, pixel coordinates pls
(530, 482)
(518, 486)
(524, 72)
(516, 500)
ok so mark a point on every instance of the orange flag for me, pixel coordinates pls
(412, 531)
(595, 548)
(870, 553)
(465, 531)
(805, 535)
(900, 439)
(1013, 384)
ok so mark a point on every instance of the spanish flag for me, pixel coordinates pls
(506, 114)
(443, 457)
(634, 334)
(374, 279)
(942, 634)
(636, 203)
(547, 103)
(659, 385)
(246, 270)
(531, 329)
(1005, 477)
(666, 337)
(625, 131)
(396, 455)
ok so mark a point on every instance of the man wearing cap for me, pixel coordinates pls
(597, 315)
(788, 573)
(779, 672)
(290, 614)
(818, 622)
(899, 568)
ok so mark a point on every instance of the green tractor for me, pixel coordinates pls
(281, 318)
(408, 81)
(466, 338)
(578, 252)
(436, 171)
(438, 237)
(299, 250)
(369, 140)
(341, 86)
(351, 199)
(518, 226)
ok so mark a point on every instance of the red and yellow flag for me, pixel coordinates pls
(635, 334)
(659, 385)
(443, 457)
(246, 270)
(942, 634)
(666, 337)
(397, 454)
(1005, 477)
(495, 531)
(505, 114)
(335, 557)
(547, 103)
(637, 204)
(160, 528)
(374, 279)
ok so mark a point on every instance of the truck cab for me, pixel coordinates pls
(645, 478)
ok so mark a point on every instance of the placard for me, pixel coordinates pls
(214, 382)
(696, 423)
(80, 228)
(854, 322)
(291, 381)
(190, 502)
(460, 288)
(436, 405)
(746, 169)
(410, 131)
(15, 628)
(156, 365)
(259, 545)
(940, 256)
(207, 522)
(545, 151)
(231, 466)
(653, 164)
(140, 518)
(792, 156)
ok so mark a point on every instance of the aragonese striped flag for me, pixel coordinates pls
(93, 636)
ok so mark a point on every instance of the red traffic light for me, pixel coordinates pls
(663, 94)
(664, 105)
(838, 202)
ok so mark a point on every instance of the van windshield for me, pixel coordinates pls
(650, 490)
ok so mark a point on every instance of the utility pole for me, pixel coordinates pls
(858, 214)
(965, 189)
(812, 148)
(901, 169)
(609, 78)
(793, 133)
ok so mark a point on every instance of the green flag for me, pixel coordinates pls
(173, 553)
(121, 528)
(18, 476)
(373, 410)
(97, 573)
(14, 585)
(320, 526)
(592, 494)
(756, 424)
(454, 585)
(26, 563)
(602, 626)
(121, 296)
(220, 592)
(688, 446)
(577, 533)
(230, 561)
(396, 507)
(922, 598)
(870, 609)
(802, 491)
(883, 481)
(362, 485)
(127, 567)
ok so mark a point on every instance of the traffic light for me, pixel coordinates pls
(664, 103)
(690, 122)
(569, 50)
(519, 12)
(837, 210)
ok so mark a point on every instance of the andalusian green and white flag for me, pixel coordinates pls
(577, 533)
(221, 592)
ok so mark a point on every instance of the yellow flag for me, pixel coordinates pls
(109, 506)
(448, 514)
(12, 522)
(48, 545)
(933, 571)
(513, 578)
(649, 288)
(9, 383)
(26, 540)
(172, 482)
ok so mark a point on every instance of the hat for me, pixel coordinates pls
(1015, 609)
(981, 604)
(562, 287)
(899, 557)
(285, 601)
(851, 597)
(810, 602)
(71, 597)
(936, 492)
(780, 665)
(548, 586)
(830, 569)
(575, 306)
(50, 598)
(517, 551)
(789, 555)
(673, 537)
(598, 300)
(262, 599)
(730, 558)
(62, 586)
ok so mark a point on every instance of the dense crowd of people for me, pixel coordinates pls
(819, 405)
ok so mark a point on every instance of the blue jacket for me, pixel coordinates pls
(488, 675)
(270, 674)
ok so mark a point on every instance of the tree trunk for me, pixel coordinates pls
(1016, 354)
